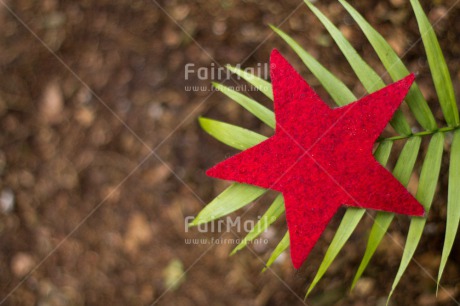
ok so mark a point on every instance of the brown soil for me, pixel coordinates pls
(101, 150)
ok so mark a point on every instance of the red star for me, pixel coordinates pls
(321, 158)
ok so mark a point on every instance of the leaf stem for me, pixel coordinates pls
(423, 133)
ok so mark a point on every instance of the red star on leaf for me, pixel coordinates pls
(321, 158)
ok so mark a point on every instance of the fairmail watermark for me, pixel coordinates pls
(239, 88)
(222, 240)
(228, 224)
(220, 74)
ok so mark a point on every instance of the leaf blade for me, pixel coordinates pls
(254, 107)
(425, 192)
(231, 199)
(232, 135)
(439, 70)
(271, 215)
(280, 248)
(453, 203)
(262, 85)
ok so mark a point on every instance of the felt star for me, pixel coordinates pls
(321, 158)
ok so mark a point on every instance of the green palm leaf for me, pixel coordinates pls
(438, 67)
(270, 216)
(425, 193)
(230, 200)
(261, 85)
(453, 202)
(280, 248)
(255, 108)
(232, 135)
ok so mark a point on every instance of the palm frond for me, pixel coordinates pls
(239, 195)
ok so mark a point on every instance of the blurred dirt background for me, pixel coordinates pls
(102, 158)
